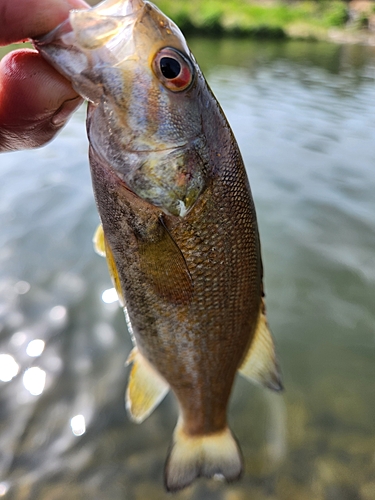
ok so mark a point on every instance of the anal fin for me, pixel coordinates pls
(260, 364)
(146, 388)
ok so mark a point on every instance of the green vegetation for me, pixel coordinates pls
(302, 19)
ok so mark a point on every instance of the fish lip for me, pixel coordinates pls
(105, 9)
(61, 29)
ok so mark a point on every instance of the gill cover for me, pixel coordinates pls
(133, 64)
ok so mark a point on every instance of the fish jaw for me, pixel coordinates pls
(78, 44)
(150, 136)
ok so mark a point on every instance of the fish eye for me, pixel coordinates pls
(173, 69)
(170, 67)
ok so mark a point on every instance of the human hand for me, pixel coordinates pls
(35, 100)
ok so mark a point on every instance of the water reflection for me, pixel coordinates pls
(22, 287)
(19, 338)
(58, 314)
(109, 296)
(8, 367)
(34, 380)
(4, 487)
(35, 348)
(78, 425)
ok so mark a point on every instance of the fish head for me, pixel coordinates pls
(145, 91)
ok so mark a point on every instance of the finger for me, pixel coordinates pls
(33, 18)
(35, 101)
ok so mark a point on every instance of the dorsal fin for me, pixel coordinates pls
(163, 262)
(102, 248)
(146, 388)
(260, 364)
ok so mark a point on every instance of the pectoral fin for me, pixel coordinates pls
(146, 389)
(260, 363)
(163, 262)
(102, 248)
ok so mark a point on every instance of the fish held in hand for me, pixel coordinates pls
(178, 225)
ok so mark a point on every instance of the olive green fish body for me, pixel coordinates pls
(195, 332)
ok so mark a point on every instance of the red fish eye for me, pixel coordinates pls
(174, 70)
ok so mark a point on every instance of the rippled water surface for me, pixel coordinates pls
(303, 114)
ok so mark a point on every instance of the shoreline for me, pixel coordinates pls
(333, 21)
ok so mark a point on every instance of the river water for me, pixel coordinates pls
(304, 117)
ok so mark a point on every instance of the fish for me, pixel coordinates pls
(178, 226)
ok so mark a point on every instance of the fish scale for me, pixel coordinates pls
(178, 226)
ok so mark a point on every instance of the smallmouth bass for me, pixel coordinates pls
(178, 225)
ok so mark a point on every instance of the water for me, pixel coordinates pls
(303, 115)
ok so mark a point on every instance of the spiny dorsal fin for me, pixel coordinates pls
(164, 263)
(260, 363)
(146, 389)
(102, 248)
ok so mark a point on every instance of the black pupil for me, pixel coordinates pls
(169, 67)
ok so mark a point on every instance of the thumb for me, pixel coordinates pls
(35, 101)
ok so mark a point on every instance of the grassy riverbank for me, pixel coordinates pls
(267, 18)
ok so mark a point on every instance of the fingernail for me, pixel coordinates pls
(65, 110)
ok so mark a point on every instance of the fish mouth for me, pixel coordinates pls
(119, 8)
(101, 35)
(102, 24)
(110, 34)
(93, 27)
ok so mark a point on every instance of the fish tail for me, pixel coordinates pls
(216, 454)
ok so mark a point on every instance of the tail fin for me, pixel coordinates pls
(194, 456)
